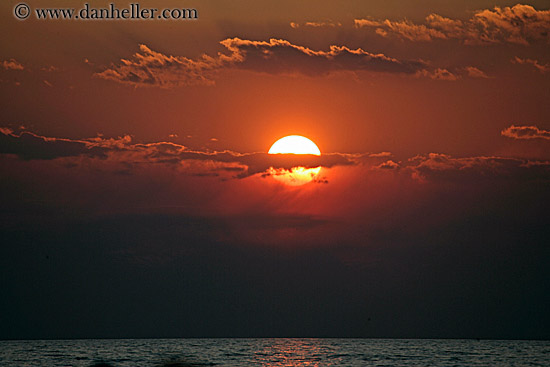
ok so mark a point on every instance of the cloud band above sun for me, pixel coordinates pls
(519, 24)
(276, 56)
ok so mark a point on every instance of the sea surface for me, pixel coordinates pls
(273, 352)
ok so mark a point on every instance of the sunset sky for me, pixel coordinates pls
(138, 198)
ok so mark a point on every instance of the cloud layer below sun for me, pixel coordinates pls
(126, 155)
(30, 146)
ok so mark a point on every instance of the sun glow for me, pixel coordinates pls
(295, 144)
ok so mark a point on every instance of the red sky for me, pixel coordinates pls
(149, 137)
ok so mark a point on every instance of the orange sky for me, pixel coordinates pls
(432, 117)
(248, 106)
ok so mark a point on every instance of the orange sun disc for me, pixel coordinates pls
(295, 144)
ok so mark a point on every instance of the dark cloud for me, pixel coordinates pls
(260, 162)
(519, 24)
(125, 154)
(435, 166)
(248, 163)
(29, 146)
(276, 56)
(525, 132)
(390, 258)
(89, 252)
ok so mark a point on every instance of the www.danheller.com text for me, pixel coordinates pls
(133, 11)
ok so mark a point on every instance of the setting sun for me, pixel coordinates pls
(275, 173)
(295, 144)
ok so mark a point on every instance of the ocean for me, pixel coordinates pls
(273, 352)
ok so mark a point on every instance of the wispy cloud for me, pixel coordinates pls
(474, 72)
(316, 24)
(453, 74)
(439, 74)
(30, 146)
(437, 166)
(543, 68)
(519, 24)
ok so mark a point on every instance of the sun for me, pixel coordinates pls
(295, 144)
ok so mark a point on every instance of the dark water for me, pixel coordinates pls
(273, 352)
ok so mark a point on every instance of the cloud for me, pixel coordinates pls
(543, 68)
(389, 165)
(381, 155)
(437, 166)
(248, 164)
(323, 24)
(11, 64)
(124, 154)
(452, 75)
(272, 249)
(367, 23)
(50, 69)
(525, 132)
(276, 56)
(148, 67)
(261, 162)
(121, 155)
(439, 74)
(519, 24)
(30, 146)
(474, 72)
(405, 29)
